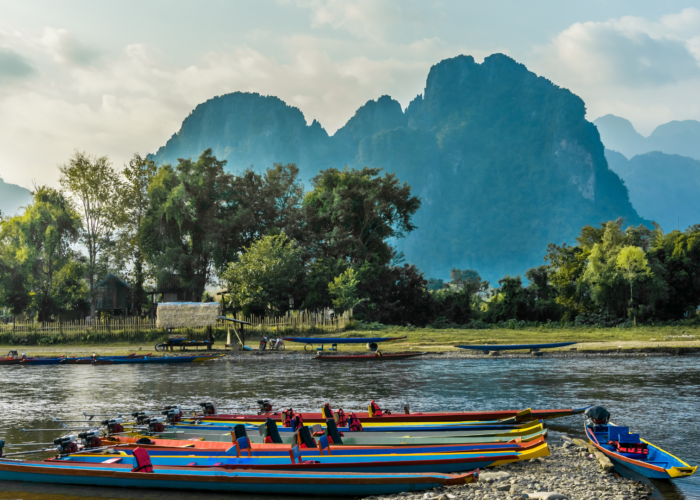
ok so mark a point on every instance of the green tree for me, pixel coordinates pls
(314, 293)
(351, 213)
(633, 265)
(265, 275)
(190, 230)
(267, 204)
(43, 266)
(139, 173)
(95, 189)
(343, 289)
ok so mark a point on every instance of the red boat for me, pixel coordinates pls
(527, 415)
(368, 357)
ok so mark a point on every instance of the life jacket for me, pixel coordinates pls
(297, 422)
(143, 461)
(326, 411)
(354, 423)
(375, 411)
(340, 418)
(287, 416)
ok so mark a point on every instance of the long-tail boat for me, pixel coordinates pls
(380, 462)
(206, 448)
(376, 414)
(221, 479)
(377, 356)
(629, 450)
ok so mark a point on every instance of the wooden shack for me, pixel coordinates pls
(113, 294)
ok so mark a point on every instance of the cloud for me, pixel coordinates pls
(132, 100)
(13, 66)
(65, 48)
(629, 65)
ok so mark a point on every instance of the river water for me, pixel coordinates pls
(657, 397)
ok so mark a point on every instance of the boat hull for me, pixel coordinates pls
(469, 416)
(368, 357)
(662, 465)
(514, 347)
(216, 479)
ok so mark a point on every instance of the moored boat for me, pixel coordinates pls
(377, 356)
(514, 347)
(629, 450)
(220, 479)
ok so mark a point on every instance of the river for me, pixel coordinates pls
(657, 397)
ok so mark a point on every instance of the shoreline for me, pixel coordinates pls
(299, 353)
(570, 473)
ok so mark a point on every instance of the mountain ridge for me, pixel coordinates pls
(504, 160)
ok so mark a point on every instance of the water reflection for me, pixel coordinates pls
(658, 397)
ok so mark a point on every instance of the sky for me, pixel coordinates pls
(118, 77)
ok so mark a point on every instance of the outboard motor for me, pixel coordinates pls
(265, 406)
(66, 444)
(155, 424)
(172, 413)
(114, 425)
(208, 408)
(91, 438)
(597, 415)
(141, 416)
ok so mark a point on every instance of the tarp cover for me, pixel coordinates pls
(339, 340)
(597, 413)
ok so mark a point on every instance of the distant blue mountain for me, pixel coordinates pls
(676, 137)
(12, 197)
(663, 188)
(504, 161)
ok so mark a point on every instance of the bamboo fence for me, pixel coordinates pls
(139, 329)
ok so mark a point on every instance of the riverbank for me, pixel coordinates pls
(570, 473)
(297, 351)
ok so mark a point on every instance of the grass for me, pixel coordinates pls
(426, 339)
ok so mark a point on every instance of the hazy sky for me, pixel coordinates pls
(119, 77)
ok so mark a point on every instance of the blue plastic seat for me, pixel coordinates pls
(615, 433)
(629, 438)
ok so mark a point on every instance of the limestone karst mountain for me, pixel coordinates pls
(504, 160)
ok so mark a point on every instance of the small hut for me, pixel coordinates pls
(112, 295)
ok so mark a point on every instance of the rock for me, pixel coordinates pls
(494, 353)
(546, 495)
(502, 487)
(490, 477)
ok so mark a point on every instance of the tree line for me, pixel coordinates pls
(274, 246)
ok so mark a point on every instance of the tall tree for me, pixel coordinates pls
(267, 204)
(139, 173)
(95, 188)
(38, 243)
(351, 214)
(265, 276)
(633, 265)
(190, 227)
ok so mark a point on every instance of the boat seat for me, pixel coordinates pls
(615, 432)
(112, 460)
(629, 438)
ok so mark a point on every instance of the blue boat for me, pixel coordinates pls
(297, 482)
(514, 347)
(341, 340)
(383, 463)
(638, 455)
